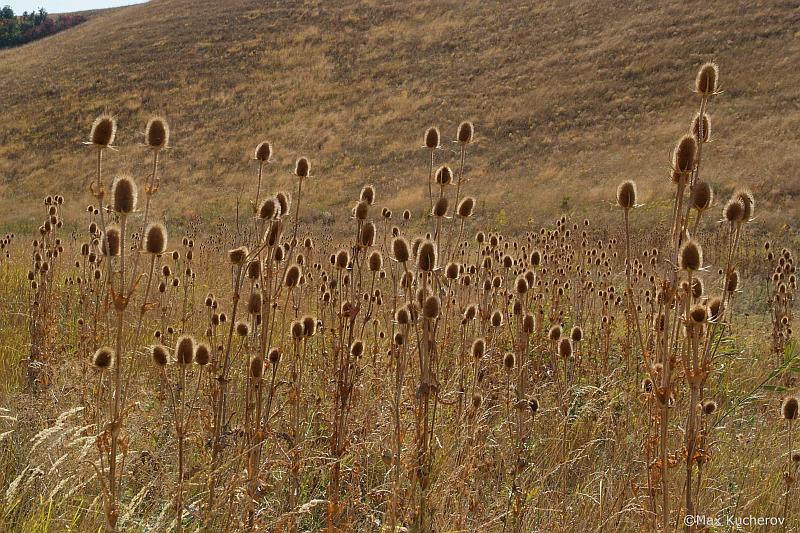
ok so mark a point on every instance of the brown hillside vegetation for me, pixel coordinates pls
(567, 99)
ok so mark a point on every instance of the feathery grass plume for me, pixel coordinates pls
(465, 132)
(400, 249)
(683, 158)
(444, 175)
(202, 354)
(104, 130)
(156, 133)
(707, 79)
(263, 152)
(626, 194)
(367, 194)
(478, 348)
(702, 196)
(431, 307)
(440, 207)
(160, 355)
(103, 358)
(748, 202)
(237, 256)
(184, 350)
(112, 240)
(124, 195)
(508, 361)
(302, 167)
(256, 367)
(465, 207)
(690, 256)
(155, 239)
(432, 137)
(426, 256)
(789, 408)
(565, 347)
(733, 211)
(695, 129)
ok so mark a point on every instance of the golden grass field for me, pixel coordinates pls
(570, 307)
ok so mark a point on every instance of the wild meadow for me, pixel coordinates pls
(416, 372)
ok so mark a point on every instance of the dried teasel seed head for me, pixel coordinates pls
(284, 200)
(309, 326)
(302, 167)
(465, 132)
(237, 256)
(509, 360)
(565, 347)
(160, 355)
(256, 367)
(274, 356)
(706, 125)
(789, 408)
(732, 281)
(368, 234)
(698, 313)
(202, 354)
(104, 129)
(745, 196)
(478, 348)
(155, 239)
(465, 207)
(733, 211)
(707, 79)
(112, 241)
(431, 307)
(432, 137)
(427, 256)
(400, 249)
(103, 358)
(715, 308)
(156, 133)
(375, 261)
(702, 196)
(576, 334)
(528, 324)
(708, 407)
(690, 256)
(440, 207)
(254, 269)
(683, 158)
(444, 175)
(268, 209)
(124, 195)
(357, 348)
(254, 303)
(263, 152)
(496, 319)
(293, 274)
(626, 194)
(533, 405)
(242, 329)
(184, 350)
(554, 333)
(367, 194)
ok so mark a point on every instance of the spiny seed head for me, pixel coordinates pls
(732, 281)
(431, 307)
(237, 256)
(789, 408)
(254, 303)
(156, 133)
(432, 138)
(733, 211)
(478, 348)
(112, 240)
(103, 358)
(715, 308)
(576, 334)
(202, 354)
(263, 152)
(451, 270)
(533, 405)
(155, 239)
(160, 355)
(555, 333)
(309, 326)
(104, 129)
(626, 194)
(184, 350)
(465, 207)
(302, 167)
(124, 195)
(521, 284)
(528, 324)
(403, 316)
(296, 330)
(496, 319)
(254, 269)
(342, 259)
(440, 207)
(698, 313)
(683, 158)
(361, 210)
(708, 407)
(706, 124)
(375, 261)
(268, 209)
(748, 202)
(465, 132)
(256, 367)
(565, 347)
(284, 199)
(691, 256)
(274, 356)
(707, 79)
(357, 348)
(508, 360)
(293, 274)
(368, 194)
(702, 196)
(444, 175)
(426, 256)
(400, 249)
(242, 329)
(368, 234)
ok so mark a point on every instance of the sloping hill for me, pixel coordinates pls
(568, 98)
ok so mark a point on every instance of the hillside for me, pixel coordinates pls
(567, 99)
